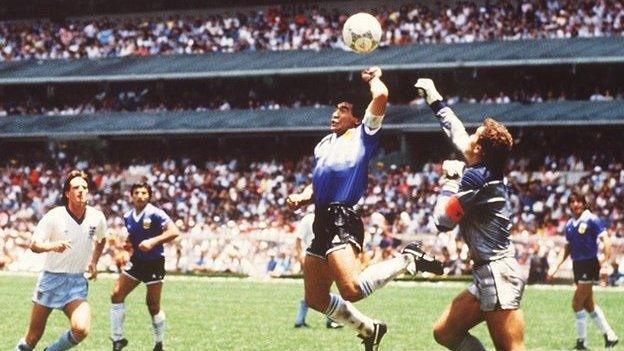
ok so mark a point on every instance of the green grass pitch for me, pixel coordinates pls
(235, 314)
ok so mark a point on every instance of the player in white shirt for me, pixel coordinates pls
(305, 234)
(73, 235)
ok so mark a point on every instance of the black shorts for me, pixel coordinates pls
(586, 271)
(148, 272)
(334, 227)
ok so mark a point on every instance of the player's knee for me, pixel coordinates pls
(80, 332)
(116, 296)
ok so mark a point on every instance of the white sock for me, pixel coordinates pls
(117, 315)
(22, 346)
(581, 324)
(344, 312)
(601, 322)
(378, 275)
(470, 343)
(158, 322)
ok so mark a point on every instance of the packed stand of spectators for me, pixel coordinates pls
(306, 28)
(234, 218)
(145, 100)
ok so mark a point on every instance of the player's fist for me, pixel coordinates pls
(92, 271)
(551, 274)
(146, 245)
(427, 90)
(370, 73)
(295, 201)
(61, 246)
(453, 169)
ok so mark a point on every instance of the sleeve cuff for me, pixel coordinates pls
(437, 105)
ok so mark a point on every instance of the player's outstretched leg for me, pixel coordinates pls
(424, 262)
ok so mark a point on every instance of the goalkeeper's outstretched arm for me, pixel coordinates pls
(450, 123)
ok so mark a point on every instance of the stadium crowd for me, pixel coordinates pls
(146, 100)
(234, 218)
(305, 28)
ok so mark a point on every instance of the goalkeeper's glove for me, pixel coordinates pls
(427, 90)
(453, 171)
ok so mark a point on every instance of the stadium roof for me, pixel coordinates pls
(399, 119)
(487, 54)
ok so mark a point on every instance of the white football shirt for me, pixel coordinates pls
(304, 229)
(58, 225)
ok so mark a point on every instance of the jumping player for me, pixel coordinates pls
(477, 200)
(340, 175)
(73, 236)
(148, 229)
(582, 234)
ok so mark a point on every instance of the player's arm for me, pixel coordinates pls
(299, 249)
(448, 210)
(563, 255)
(452, 126)
(170, 233)
(40, 240)
(376, 109)
(99, 247)
(296, 201)
(606, 246)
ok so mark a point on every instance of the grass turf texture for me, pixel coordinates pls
(234, 314)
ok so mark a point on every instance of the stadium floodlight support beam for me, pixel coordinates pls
(522, 53)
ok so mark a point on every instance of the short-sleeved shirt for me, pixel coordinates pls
(582, 236)
(59, 225)
(151, 222)
(340, 171)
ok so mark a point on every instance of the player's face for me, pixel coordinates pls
(473, 149)
(140, 197)
(577, 207)
(78, 191)
(342, 119)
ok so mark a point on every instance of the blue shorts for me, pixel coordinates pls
(56, 290)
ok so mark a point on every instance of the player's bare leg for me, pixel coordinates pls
(152, 298)
(317, 281)
(506, 329)
(38, 319)
(123, 286)
(451, 329)
(345, 268)
(79, 314)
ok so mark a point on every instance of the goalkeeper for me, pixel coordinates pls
(476, 198)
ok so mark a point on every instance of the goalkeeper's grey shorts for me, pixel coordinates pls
(498, 284)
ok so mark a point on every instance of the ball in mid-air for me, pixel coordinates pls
(361, 32)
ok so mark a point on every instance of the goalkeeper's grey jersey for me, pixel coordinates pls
(487, 215)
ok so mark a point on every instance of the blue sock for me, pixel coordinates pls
(65, 342)
(303, 311)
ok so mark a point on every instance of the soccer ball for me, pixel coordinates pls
(361, 32)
